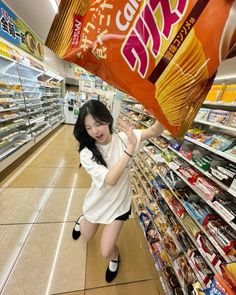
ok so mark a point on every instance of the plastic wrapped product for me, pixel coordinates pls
(162, 52)
(219, 116)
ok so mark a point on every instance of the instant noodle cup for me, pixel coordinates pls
(164, 53)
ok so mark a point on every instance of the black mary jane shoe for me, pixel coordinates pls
(76, 233)
(110, 275)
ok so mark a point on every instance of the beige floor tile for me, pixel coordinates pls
(72, 177)
(36, 177)
(136, 262)
(12, 238)
(50, 262)
(149, 287)
(63, 204)
(22, 205)
(72, 293)
(2, 189)
(72, 160)
(49, 160)
(61, 149)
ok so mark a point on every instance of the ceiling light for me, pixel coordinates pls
(54, 5)
(225, 77)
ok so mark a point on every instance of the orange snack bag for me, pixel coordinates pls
(162, 52)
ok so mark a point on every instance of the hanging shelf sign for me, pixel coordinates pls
(14, 30)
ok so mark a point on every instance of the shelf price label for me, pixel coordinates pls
(223, 211)
(173, 166)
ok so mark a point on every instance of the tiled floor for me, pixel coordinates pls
(39, 201)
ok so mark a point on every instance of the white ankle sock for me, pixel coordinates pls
(113, 265)
(77, 226)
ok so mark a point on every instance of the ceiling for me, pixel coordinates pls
(38, 14)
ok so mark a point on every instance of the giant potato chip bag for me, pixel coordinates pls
(162, 52)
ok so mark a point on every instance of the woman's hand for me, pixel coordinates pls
(132, 139)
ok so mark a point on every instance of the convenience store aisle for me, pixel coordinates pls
(39, 202)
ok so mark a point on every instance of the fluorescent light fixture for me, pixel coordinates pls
(54, 5)
(225, 77)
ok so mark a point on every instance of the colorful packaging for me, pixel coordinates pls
(232, 119)
(164, 53)
(229, 94)
(215, 93)
(203, 114)
(231, 152)
(219, 116)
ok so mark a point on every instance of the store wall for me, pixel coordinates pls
(69, 69)
(228, 67)
(52, 61)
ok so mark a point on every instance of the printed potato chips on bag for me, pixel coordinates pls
(164, 53)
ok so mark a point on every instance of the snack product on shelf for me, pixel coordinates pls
(160, 52)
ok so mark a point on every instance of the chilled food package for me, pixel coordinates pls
(165, 53)
(219, 116)
(203, 114)
(232, 119)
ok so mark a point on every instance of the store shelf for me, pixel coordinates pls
(138, 111)
(58, 123)
(217, 207)
(196, 142)
(35, 120)
(214, 242)
(162, 245)
(137, 121)
(188, 233)
(193, 240)
(182, 224)
(40, 135)
(144, 175)
(223, 214)
(164, 284)
(10, 109)
(130, 100)
(218, 125)
(5, 130)
(220, 105)
(24, 71)
(15, 154)
(222, 154)
(24, 92)
(206, 173)
(11, 119)
(220, 210)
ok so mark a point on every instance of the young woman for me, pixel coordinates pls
(106, 157)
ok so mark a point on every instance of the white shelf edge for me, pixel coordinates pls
(42, 135)
(219, 104)
(18, 153)
(225, 127)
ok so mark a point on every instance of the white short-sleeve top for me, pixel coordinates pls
(104, 203)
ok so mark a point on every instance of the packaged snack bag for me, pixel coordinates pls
(162, 52)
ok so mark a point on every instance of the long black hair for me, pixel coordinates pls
(101, 114)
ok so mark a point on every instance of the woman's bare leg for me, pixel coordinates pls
(88, 229)
(109, 238)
